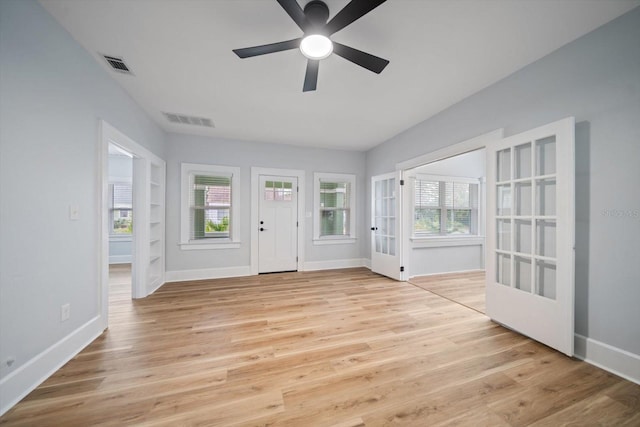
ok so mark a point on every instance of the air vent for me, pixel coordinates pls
(117, 64)
(188, 120)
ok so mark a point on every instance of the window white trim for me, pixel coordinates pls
(188, 170)
(334, 177)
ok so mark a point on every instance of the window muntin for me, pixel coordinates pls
(445, 208)
(278, 191)
(121, 209)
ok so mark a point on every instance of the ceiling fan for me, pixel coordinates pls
(315, 43)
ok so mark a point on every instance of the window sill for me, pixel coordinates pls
(120, 238)
(334, 241)
(197, 246)
(444, 241)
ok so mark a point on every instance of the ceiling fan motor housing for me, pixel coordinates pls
(317, 13)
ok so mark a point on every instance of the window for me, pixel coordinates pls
(445, 206)
(120, 209)
(334, 206)
(210, 206)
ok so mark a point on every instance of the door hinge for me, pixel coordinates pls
(296, 259)
(297, 224)
(297, 189)
(402, 269)
(402, 182)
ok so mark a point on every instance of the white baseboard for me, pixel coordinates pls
(475, 270)
(119, 259)
(333, 264)
(207, 273)
(367, 263)
(27, 377)
(617, 361)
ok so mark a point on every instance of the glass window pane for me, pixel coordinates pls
(546, 279)
(504, 165)
(122, 221)
(546, 156)
(522, 159)
(522, 268)
(427, 220)
(546, 238)
(458, 221)
(523, 198)
(378, 243)
(504, 234)
(546, 197)
(503, 200)
(522, 234)
(385, 247)
(503, 270)
(334, 222)
(392, 246)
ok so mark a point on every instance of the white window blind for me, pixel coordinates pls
(210, 207)
(445, 208)
(121, 208)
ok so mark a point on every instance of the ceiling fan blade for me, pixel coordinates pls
(311, 76)
(363, 59)
(353, 11)
(267, 48)
(296, 13)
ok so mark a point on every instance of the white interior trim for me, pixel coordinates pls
(334, 177)
(406, 208)
(16, 385)
(255, 208)
(142, 159)
(615, 360)
(334, 264)
(208, 273)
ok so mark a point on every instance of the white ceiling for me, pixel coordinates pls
(441, 51)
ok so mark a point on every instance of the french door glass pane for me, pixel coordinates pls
(503, 269)
(504, 165)
(523, 198)
(546, 197)
(522, 273)
(546, 156)
(522, 235)
(378, 243)
(546, 279)
(504, 200)
(546, 238)
(522, 158)
(392, 246)
(504, 234)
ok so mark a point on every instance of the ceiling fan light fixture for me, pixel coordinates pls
(316, 46)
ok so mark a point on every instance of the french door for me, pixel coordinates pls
(385, 225)
(530, 233)
(278, 224)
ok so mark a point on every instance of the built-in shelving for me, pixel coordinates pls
(155, 269)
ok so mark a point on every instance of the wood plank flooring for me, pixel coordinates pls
(343, 348)
(464, 288)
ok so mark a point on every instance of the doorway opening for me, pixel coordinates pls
(444, 216)
(120, 217)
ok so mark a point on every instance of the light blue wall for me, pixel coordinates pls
(52, 95)
(597, 80)
(194, 149)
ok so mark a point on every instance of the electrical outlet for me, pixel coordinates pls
(65, 312)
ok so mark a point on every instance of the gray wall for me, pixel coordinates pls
(596, 79)
(53, 94)
(195, 149)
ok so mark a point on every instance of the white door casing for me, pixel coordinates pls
(530, 233)
(278, 224)
(386, 200)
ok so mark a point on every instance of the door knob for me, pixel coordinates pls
(374, 228)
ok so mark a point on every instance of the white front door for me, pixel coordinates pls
(278, 224)
(530, 233)
(385, 225)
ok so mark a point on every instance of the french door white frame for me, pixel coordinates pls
(142, 161)
(473, 144)
(255, 212)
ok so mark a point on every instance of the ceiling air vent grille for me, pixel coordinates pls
(188, 120)
(117, 64)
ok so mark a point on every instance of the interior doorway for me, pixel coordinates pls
(444, 215)
(120, 217)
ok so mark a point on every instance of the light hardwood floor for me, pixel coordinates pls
(464, 288)
(335, 348)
